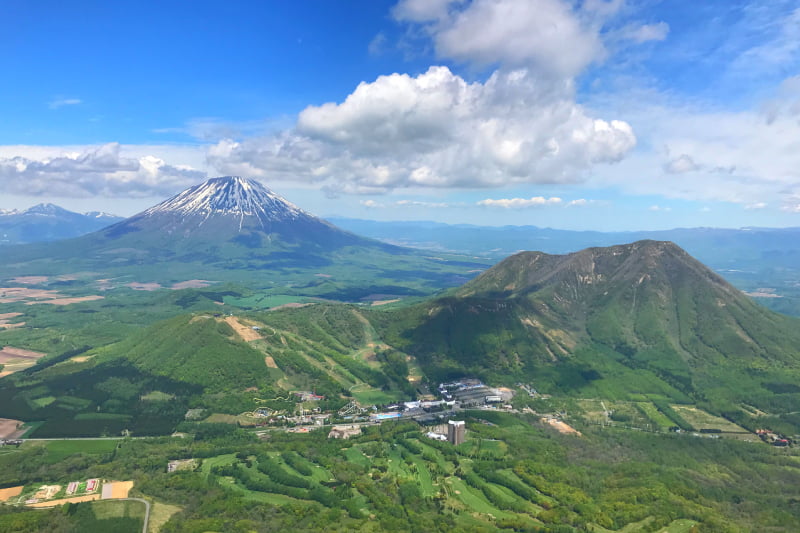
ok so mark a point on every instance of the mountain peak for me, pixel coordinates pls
(229, 195)
(46, 209)
(588, 271)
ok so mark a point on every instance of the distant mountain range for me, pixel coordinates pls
(714, 246)
(765, 262)
(48, 222)
(236, 229)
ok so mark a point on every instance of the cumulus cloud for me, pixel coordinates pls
(61, 102)
(549, 36)
(94, 171)
(436, 130)
(707, 154)
(520, 203)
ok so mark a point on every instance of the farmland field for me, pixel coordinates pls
(58, 450)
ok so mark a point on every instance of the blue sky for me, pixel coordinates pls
(593, 114)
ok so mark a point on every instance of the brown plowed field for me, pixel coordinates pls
(56, 503)
(13, 492)
(67, 301)
(8, 428)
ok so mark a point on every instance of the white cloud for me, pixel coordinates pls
(756, 205)
(548, 36)
(692, 151)
(377, 44)
(435, 130)
(520, 203)
(91, 171)
(371, 204)
(422, 10)
(681, 165)
(417, 203)
(645, 32)
(580, 202)
(61, 102)
(660, 208)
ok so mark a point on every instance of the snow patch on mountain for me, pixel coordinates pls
(230, 196)
(100, 214)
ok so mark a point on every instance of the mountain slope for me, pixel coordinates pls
(235, 229)
(229, 209)
(48, 222)
(643, 318)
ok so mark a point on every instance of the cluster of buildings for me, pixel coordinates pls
(473, 393)
(456, 433)
(344, 432)
(75, 486)
(308, 396)
(773, 438)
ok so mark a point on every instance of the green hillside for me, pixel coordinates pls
(194, 349)
(643, 318)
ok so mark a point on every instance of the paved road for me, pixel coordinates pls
(146, 510)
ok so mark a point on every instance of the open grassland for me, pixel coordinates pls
(703, 420)
(59, 450)
(160, 513)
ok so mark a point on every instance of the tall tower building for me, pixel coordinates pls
(456, 429)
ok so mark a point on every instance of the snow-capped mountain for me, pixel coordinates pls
(47, 222)
(230, 196)
(101, 215)
(228, 209)
(235, 229)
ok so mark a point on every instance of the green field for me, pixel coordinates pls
(376, 397)
(658, 418)
(219, 460)
(58, 450)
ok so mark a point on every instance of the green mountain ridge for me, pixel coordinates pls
(643, 318)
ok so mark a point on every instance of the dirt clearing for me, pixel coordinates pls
(9, 353)
(9, 428)
(56, 503)
(17, 294)
(117, 489)
(13, 492)
(562, 427)
(4, 321)
(67, 301)
(376, 303)
(245, 332)
(270, 362)
(16, 359)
